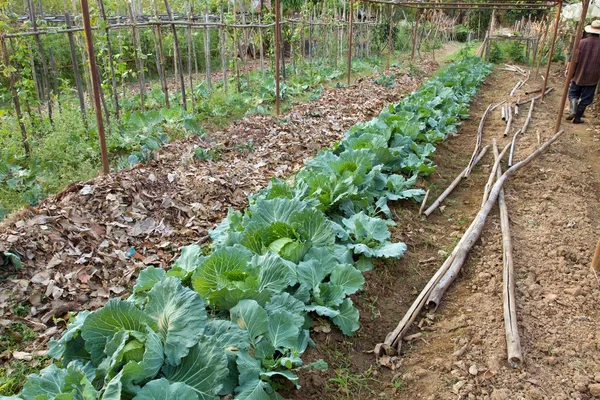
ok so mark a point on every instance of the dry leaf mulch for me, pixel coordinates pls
(86, 244)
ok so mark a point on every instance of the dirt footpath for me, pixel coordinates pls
(554, 211)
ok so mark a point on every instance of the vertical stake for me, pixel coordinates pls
(87, 27)
(351, 11)
(277, 56)
(551, 53)
(15, 95)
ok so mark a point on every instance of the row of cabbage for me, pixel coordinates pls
(237, 320)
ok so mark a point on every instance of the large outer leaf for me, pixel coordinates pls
(225, 299)
(100, 326)
(348, 277)
(57, 347)
(50, 381)
(204, 369)
(148, 278)
(249, 315)
(114, 388)
(347, 321)
(314, 224)
(253, 390)
(282, 330)
(280, 209)
(179, 314)
(275, 274)
(190, 258)
(161, 389)
(211, 274)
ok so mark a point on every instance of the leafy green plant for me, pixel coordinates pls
(386, 80)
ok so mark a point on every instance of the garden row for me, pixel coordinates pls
(237, 320)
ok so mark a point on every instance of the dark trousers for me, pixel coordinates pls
(585, 93)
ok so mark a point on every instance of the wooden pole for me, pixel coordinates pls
(277, 56)
(15, 95)
(551, 53)
(177, 56)
(75, 64)
(350, 42)
(543, 44)
(139, 64)
(513, 342)
(111, 62)
(223, 48)
(390, 31)
(89, 41)
(414, 38)
(572, 64)
(161, 59)
(206, 32)
(190, 52)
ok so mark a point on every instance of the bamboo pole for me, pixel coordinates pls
(595, 266)
(177, 56)
(512, 147)
(350, 42)
(95, 83)
(543, 43)
(528, 119)
(76, 73)
(551, 53)
(190, 52)
(8, 72)
(277, 56)
(571, 65)
(111, 62)
(448, 270)
(509, 119)
(390, 31)
(453, 185)
(535, 97)
(424, 202)
(222, 43)
(414, 38)
(490, 181)
(207, 65)
(478, 141)
(139, 64)
(513, 342)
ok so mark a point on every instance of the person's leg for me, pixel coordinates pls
(587, 96)
(574, 95)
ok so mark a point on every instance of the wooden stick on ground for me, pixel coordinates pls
(497, 105)
(516, 110)
(517, 86)
(488, 185)
(509, 119)
(528, 119)
(596, 260)
(454, 183)
(534, 91)
(512, 147)
(535, 98)
(452, 265)
(424, 202)
(513, 342)
(503, 113)
(478, 141)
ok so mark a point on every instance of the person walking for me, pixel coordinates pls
(587, 73)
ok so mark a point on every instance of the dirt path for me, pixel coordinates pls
(554, 211)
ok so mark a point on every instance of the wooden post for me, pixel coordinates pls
(177, 56)
(139, 64)
(190, 51)
(277, 56)
(351, 12)
(76, 73)
(572, 64)
(537, 68)
(15, 96)
(223, 48)
(551, 53)
(206, 32)
(161, 59)
(414, 38)
(111, 62)
(85, 13)
(390, 31)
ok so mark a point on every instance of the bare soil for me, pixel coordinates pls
(554, 214)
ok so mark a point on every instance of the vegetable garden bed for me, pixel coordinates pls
(237, 319)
